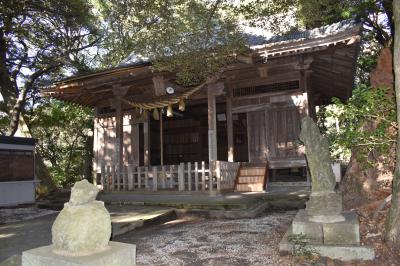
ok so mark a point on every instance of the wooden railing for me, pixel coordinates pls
(182, 177)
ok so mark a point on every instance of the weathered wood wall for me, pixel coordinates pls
(104, 142)
(273, 124)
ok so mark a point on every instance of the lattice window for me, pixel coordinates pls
(290, 85)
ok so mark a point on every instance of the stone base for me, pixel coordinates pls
(118, 254)
(323, 204)
(339, 240)
(339, 252)
(346, 232)
(327, 218)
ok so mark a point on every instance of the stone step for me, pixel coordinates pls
(126, 218)
(249, 187)
(251, 179)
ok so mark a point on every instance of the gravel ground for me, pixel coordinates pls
(12, 215)
(213, 242)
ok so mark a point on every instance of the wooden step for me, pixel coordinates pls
(258, 187)
(251, 179)
(252, 171)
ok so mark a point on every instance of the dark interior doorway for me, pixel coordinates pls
(241, 152)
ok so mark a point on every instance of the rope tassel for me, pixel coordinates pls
(182, 105)
(156, 114)
(169, 111)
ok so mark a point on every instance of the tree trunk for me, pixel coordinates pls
(358, 184)
(392, 233)
(15, 112)
(41, 171)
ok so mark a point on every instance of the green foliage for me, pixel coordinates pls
(301, 246)
(41, 40)
(315, 13)
(62, 130)
(366, 122)
(275, 16)
(193, 39)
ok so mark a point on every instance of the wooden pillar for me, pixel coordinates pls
(119, 135)
(96, 140)
(135, 143)
(116, 103)
(212, 124)
(305, 83)
(310, 95)
(146, 144)
(161, 139)
(229, 127)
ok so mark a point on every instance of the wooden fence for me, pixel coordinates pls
(182, 177)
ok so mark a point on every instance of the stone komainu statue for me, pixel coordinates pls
(83, 227)
(318, 158)
(324, 205)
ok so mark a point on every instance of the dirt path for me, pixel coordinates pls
(189, 241)
(20, 236)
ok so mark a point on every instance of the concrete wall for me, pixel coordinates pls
(18, 192)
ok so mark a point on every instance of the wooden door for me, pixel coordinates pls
(256, 133)
(282, 131)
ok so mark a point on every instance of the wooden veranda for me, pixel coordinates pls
(251, 115)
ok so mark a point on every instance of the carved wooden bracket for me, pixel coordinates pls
(115, 103)
(263, 71)
(304, 63)
(247, 59)
(217, 89)
(119, 91)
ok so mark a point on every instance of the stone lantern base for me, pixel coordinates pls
(117, 254)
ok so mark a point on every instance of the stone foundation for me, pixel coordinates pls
(339, 240)
(117, 254)
(345, 232)
(339, 252)
(325, 207)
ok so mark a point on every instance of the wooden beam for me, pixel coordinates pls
(283, 77)
(247, 59)
(110, 78)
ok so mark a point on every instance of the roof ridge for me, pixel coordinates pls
(323, 31)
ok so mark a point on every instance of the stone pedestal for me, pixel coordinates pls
(339, 240)
(325, 207)
(330, 231)
(117, 254)
(346, 232)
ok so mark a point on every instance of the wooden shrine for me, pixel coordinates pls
(219, 136)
